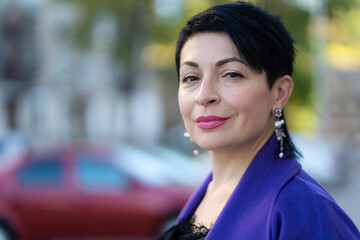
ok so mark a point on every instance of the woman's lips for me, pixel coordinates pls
(210, 122)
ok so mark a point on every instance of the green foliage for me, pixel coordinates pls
(335, 6)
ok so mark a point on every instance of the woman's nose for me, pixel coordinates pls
(208, 93)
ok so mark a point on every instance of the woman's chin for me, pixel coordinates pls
(212, 146)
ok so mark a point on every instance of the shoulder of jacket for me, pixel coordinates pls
(303, 190)
(302, 203)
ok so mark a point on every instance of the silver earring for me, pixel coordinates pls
(279, 131)
(195, 151)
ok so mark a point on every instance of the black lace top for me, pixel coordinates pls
(185, 230)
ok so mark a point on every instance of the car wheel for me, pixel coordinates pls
(5, 233)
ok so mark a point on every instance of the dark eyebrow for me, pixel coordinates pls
(227, 60)
(192, 64)
(217, 64)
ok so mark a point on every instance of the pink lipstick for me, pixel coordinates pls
(210, 122)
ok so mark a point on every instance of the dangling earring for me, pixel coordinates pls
(279, 130)
(195, 151)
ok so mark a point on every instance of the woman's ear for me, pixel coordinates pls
(282, 90)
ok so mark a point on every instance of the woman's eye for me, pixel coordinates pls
(189, 79)
(234, 75)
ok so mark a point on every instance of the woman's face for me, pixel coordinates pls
(223, 102)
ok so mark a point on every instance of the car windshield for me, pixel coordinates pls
(95, 173)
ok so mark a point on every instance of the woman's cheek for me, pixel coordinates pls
(185, 107)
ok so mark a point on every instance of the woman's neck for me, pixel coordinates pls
(228, 168)
(229, 165)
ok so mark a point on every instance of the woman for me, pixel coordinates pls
(235, 63)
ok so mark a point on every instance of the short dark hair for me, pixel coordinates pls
(261, 39)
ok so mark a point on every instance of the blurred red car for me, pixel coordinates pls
(78, 192)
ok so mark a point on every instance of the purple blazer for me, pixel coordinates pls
(276, 199)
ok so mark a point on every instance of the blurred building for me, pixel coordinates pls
(345, 107)
(52, 92)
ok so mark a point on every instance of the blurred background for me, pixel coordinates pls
(102, 74)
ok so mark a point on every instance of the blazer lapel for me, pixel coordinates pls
(194, 200)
